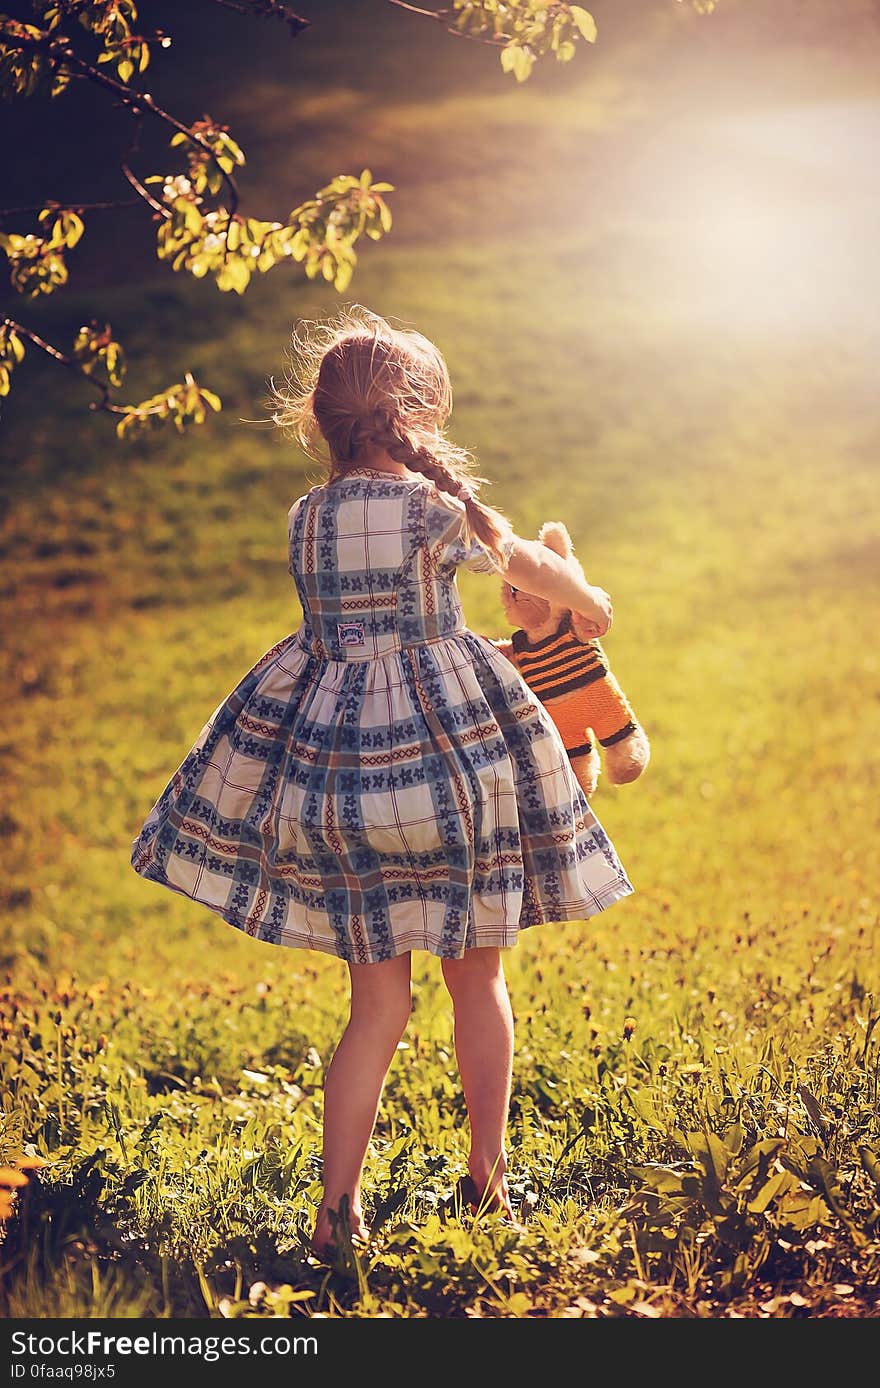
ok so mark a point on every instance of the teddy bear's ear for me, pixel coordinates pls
(555, 536)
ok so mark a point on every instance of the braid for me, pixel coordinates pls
(378, 430)
(373, 430)
(481, 521)
(418, 458)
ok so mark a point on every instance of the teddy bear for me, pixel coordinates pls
(571, 676)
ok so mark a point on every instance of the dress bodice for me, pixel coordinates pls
(374, 559)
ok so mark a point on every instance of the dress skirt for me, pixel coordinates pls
(420, 800)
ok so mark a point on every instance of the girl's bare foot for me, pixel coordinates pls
(324, 1240)
(486, 1190)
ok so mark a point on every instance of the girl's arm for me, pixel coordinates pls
(537, 569)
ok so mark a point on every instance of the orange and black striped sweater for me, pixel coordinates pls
(572, 679)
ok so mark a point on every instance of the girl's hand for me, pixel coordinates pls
(589, 626)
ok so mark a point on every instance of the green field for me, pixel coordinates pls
(654, 276)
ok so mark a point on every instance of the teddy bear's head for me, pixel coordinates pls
(524, 610)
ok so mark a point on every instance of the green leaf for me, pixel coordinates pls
(760, 1156)
(811, 1104)
(801, 1211)
(343, 276)
(234, 275)
(712, 1154)
(662, 1179)
(115, 363)
(192, 217)
(825, 1176)
(778, 1184)
(585, 22)
(74, 228)
(233, 149)
(523, 62)
(622, 1296)
(871, 1165)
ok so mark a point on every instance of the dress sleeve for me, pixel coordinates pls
(445, 536)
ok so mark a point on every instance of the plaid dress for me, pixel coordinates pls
(382, 780)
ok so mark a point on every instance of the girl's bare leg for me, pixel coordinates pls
(484, 1048)
(380, 1009)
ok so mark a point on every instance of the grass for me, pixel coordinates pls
(700, 411)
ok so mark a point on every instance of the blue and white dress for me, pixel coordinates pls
(382, 780)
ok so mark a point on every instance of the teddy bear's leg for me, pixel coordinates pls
(626, 759)
(625, 748)
(587, 767)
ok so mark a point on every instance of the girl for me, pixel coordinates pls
(383, 780)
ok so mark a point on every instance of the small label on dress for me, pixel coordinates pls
(351, 633)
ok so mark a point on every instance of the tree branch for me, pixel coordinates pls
(414, 9)
(441, 16)
(142, 192)
(268, 9)
(60, 54)
(144, 103)
(72, 365)
(54, 204)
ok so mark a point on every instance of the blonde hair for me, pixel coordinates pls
(359, 385)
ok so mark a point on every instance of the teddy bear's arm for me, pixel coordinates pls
(608, 711)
